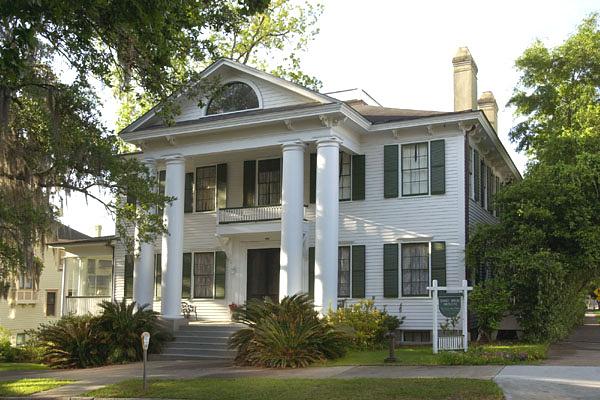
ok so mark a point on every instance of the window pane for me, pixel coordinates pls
(415, 169)
(206, 188)
(345, 176)
(415, 269)
(234, 96)
(157, 275)
(344, 271)
(269, 182)
(204, 271)
(50, 304)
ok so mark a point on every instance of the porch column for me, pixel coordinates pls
(326, 224)
(292, 214)
(143, 270)
(172, 242)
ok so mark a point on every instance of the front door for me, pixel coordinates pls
(263, 274)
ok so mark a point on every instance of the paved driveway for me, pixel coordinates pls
(572, 370)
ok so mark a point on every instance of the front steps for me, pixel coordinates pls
(200, 341)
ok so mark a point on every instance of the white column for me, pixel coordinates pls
(292, 214)
(172, 242)
(143, 270)
(326, 224)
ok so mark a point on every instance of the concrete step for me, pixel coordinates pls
(177, 344)
(176, 357)
(192, 351)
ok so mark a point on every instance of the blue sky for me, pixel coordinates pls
(400, 52)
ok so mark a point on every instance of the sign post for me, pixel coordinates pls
(145, 342)
(449, 305)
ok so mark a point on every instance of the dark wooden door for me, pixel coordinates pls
(263, 274)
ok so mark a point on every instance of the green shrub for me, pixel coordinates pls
(490, 302)
(120, 327)
(500, 354)
(72, 342)
(368, 323)
(89, 341)
(288, 334)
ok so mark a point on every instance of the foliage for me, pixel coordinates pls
(29, 352)
(258, 388)
(26, 387)
(51, 139)
(367, 322)
(120, 326)
(490, 302)
(271, 40)
(111, 337)
(479, 354)
(498, 355)
(285, 334)
(546, 247)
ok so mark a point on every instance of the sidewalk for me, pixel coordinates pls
(94, 378)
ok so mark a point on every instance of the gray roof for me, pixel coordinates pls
(65, 232)
(381, 115)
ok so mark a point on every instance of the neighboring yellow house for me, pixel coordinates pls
(74, 265)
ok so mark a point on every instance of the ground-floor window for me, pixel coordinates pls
(204, 272)
(416, 336)
(157, 275)
(344, 263)
(51, 303)
(21, 339)
(415, 269)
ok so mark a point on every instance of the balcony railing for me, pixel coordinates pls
(81, 305)
(249, 214)
(26, 296)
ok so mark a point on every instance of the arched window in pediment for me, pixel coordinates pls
(233, 96)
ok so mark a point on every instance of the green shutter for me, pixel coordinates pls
(438, 166)
(358, 271)
(476, 173)
(220, 263)
(186, 280)
(390, 270)
(358, 177)
(390, 171)
(128, 290)
(249, 183)
(490, 186)
(162, 177)
(157, 275)
(311, 272)
(496, 208)
(313, 177)
(188, 200)
(483, 175)
(221, 186)
(438, 262)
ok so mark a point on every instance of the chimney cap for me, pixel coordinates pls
(463, 57)
(487, 98)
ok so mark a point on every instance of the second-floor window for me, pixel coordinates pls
(345, 190)
(269, 182)
(206, 185)
(415, 169)
(25, 282)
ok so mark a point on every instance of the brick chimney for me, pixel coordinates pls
(487, 104)
(465, 80)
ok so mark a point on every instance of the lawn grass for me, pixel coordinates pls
(25, 387)
(301, 389)
(20, 366)
(494, 354)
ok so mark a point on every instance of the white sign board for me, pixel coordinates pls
(449, 343)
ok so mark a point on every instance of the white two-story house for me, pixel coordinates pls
(280, 189)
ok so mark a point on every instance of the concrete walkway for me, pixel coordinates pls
(572, 370)
(94, 378)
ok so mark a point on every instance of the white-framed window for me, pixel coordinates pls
(345, 181)
(204, 275)
(415, 269)
(232, 97)
(344, 271)
(415, 169)
(206, 188)
(157, 276)
(99, 277)
(269, 182)
(51, 299)
(21, 339)
(25, 282)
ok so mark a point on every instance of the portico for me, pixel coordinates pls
(285, 217)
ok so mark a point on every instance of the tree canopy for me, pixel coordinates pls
(51, 138)
(547, 243)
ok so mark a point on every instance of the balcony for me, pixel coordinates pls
(26, 296)
(82, 305)
(258, 219)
